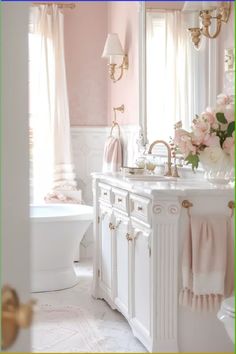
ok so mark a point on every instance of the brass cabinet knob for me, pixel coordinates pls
(14, 316)
(129, 237)
(111, 226)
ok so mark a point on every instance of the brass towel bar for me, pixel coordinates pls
(187, 204)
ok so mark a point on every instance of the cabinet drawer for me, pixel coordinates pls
(105, 193)
(120, 199)
(140, 208)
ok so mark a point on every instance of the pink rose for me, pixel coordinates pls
(198, 137)
(210, 117)
(178, 135)
(186, 146)
(203, 126)
(211, 140)
(200, 130)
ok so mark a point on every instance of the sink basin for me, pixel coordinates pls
(150, 178)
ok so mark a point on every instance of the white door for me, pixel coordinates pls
(14, 157)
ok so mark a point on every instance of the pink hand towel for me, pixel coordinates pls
(207, 264)
(112, 156)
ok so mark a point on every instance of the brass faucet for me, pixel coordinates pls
(168, 173)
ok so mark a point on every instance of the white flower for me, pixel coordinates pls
(213, 157)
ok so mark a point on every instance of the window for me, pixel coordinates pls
(180, 81)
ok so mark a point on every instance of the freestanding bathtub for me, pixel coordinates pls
(57, 230)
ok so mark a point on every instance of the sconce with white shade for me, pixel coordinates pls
(208, 11)
(114, 51)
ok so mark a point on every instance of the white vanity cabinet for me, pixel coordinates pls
(123, 234)
(141, 283)
(105, 246)
(121, 270)
(138, 232)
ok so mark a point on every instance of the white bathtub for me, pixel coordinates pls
(57, 230)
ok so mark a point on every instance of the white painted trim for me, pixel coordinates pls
(103, 129)
(142, 70)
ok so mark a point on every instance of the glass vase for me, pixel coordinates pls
(220, 174)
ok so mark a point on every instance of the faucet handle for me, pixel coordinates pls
(175, 171)
(168, 172)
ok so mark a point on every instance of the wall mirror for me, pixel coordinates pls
(176, 80)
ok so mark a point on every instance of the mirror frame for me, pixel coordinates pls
(142, 74)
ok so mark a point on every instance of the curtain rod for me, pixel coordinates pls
(60, 5)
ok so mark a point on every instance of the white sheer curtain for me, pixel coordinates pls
(181, 81)
(52, 162)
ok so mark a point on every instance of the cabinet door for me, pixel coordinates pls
(122, 264)
(106, 245)
(141, 275)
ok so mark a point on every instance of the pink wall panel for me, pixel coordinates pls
(85, 34)
(123, 19)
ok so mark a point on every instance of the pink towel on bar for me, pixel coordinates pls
(112, 157)
(208, 263)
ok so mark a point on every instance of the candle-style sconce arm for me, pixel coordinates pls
(113, 68)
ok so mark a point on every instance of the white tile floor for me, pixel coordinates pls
(58, 331)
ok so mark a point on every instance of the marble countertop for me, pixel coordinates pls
(173, 186)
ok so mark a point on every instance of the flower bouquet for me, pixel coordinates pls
(211, 140)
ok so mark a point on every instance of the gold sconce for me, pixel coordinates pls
(114, 51)
(209, 12)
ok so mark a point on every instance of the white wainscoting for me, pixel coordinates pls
(87, 149)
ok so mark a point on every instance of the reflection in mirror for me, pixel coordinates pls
(180, 81)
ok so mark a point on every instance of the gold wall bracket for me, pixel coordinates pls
(120, 109)
(220, 15)
(114, 67)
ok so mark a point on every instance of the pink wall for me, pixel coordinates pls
(92, 95)
(123, 19)
(85, 34)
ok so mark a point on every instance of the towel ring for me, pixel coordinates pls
(115, 124)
